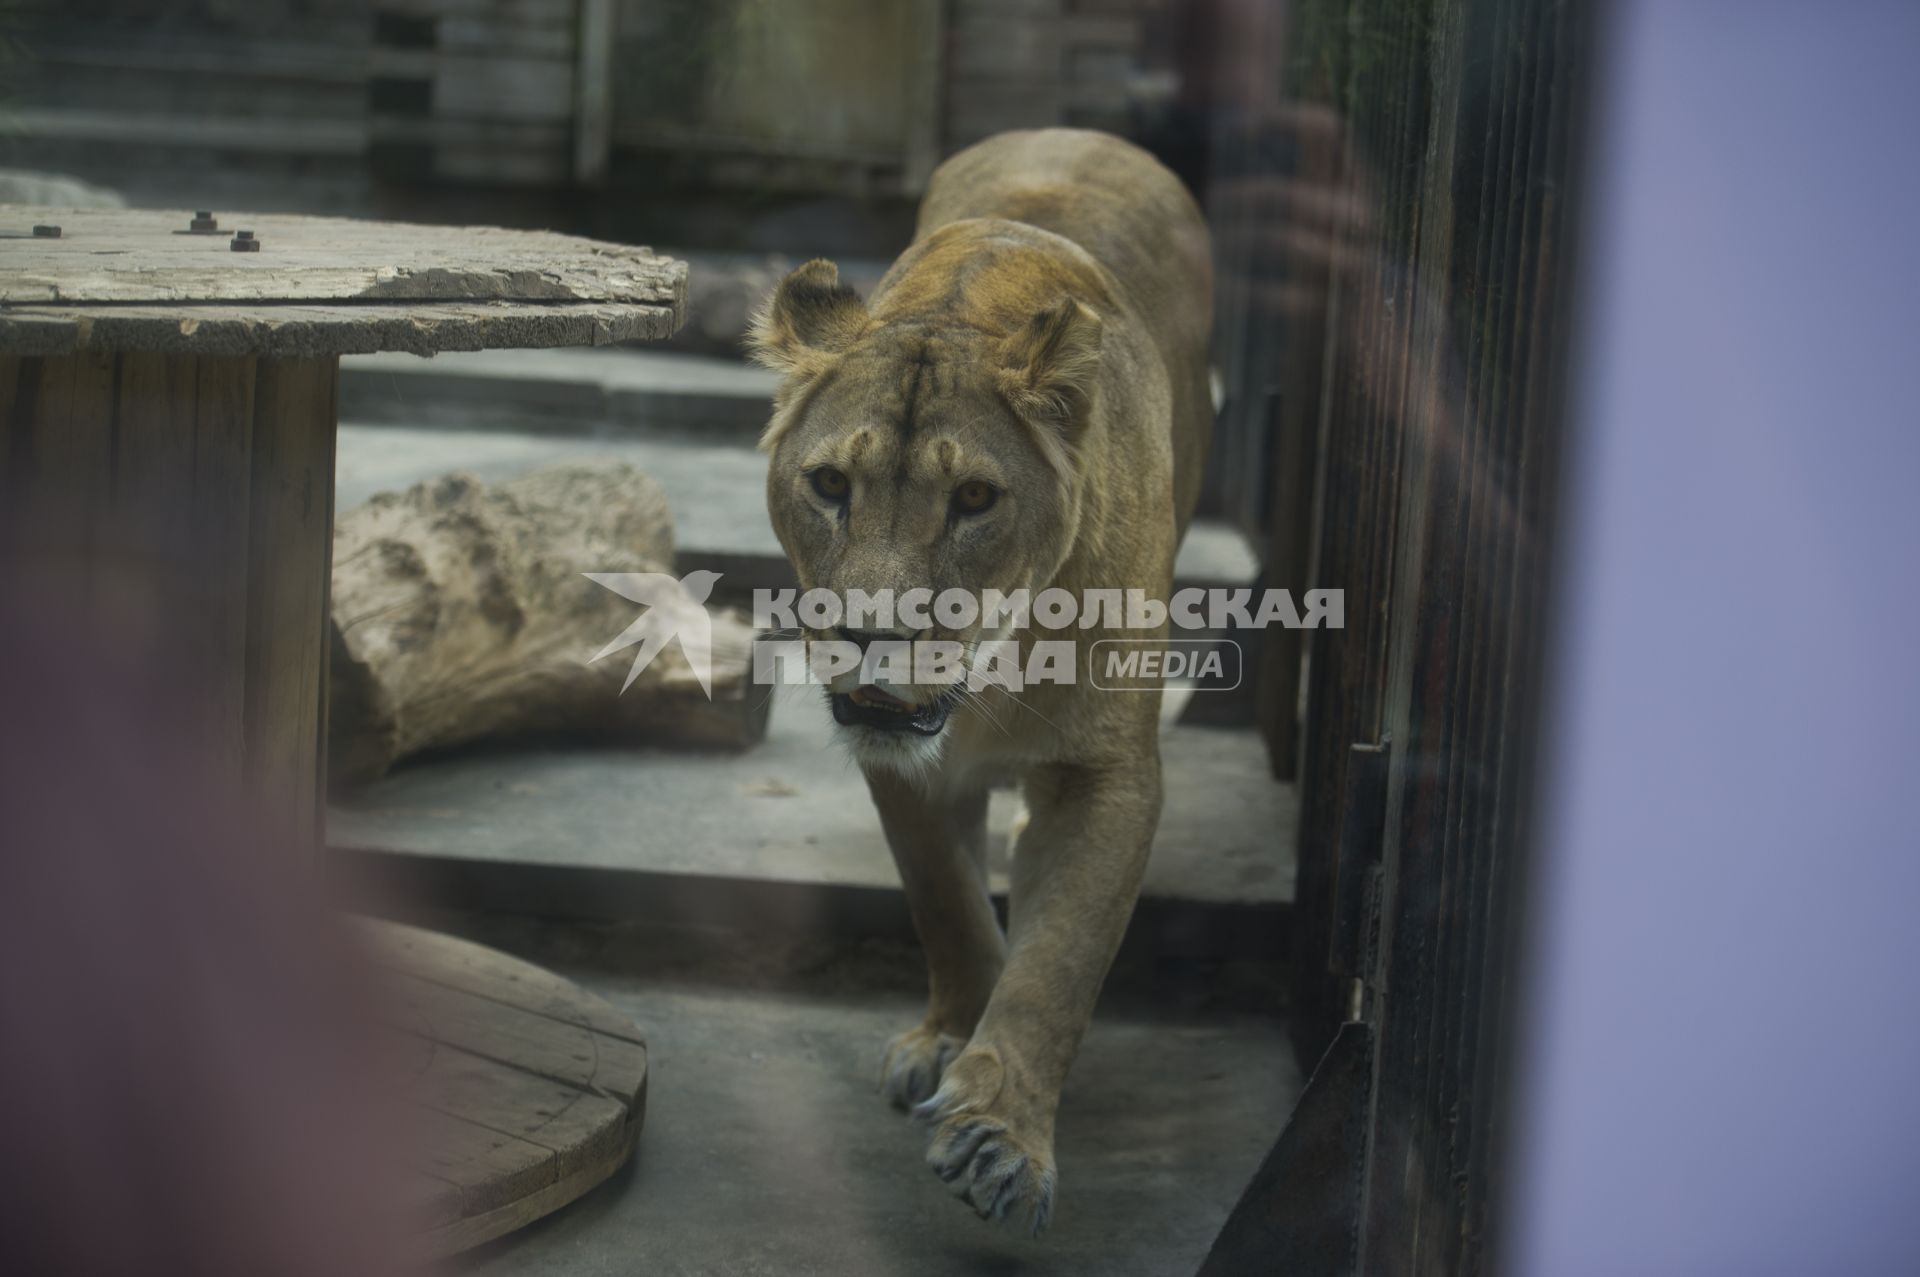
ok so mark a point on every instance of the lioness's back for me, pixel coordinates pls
(1131, 215)
(1103, 193)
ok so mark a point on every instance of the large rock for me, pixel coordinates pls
(461, 612)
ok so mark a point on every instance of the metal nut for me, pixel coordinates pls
(46, 232)
(204, 223)
(244, 242)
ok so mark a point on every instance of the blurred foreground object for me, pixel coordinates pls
(206, 1072)
(184, 1082)
(461, 612)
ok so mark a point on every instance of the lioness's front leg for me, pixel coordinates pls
(939, 845)
(1076, 873)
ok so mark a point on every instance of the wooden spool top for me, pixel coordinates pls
(528, 1091)
(138, 279)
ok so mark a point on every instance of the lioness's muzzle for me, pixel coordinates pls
(869, 706)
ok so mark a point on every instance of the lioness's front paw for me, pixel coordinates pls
(982, 1151)
(914, 1062)
(997, 1172)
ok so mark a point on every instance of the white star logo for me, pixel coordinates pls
(676, 608)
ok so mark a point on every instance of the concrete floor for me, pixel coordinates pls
(767, 1150)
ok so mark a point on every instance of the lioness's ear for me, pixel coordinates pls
(810, 314)
(1048, 367)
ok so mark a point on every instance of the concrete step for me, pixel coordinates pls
(609, 391)
(784, 835)
(793, 808)
(715, 483)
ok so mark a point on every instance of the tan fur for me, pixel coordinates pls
(1046, 333)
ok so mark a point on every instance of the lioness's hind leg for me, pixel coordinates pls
(940, 848)
(914, 1063)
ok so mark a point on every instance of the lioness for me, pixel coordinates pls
(1022, 404)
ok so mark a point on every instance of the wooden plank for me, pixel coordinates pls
(427, 1203)
(980, 106)
(564, 1053)
(69, 440)
(480, 86)
(1012, 11)
(511, 135)
(224, 24)
(593, 92)
(698, 141)
(222, 496)
(152, 507)
(555, 11)
(252, 60)
(545, 35)
(290, 532)
(1100, 30)
(545, 167)
(472, 1230)
(149, 93)
(13, 387)
(987, 45)
(473, 968)
(290, 135)
(520, 1112)
(153, 470)
(504, 58)
(131, 256)
(405, 1052)
(490, 1168)
(926, 90)
(328, 470)
(292, 330)
(578, 1127)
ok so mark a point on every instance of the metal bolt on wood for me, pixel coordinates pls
(46, 232)
(244, 242)
(204, 223)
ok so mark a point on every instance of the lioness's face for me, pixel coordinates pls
(901, 462)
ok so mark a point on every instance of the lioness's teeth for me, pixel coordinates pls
(878, 699)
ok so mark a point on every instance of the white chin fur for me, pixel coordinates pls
(905, 753)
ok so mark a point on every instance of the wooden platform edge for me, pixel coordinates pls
(530, 1091)
(474, 1230)
(311, 330)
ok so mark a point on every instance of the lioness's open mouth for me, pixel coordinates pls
(870, 706)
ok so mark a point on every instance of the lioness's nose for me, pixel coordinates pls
(864, 637)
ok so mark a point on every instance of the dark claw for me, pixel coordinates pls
(1009, 1193)
(984, 1161)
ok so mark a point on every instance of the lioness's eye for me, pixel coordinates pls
(831, 483)
(974, 497)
